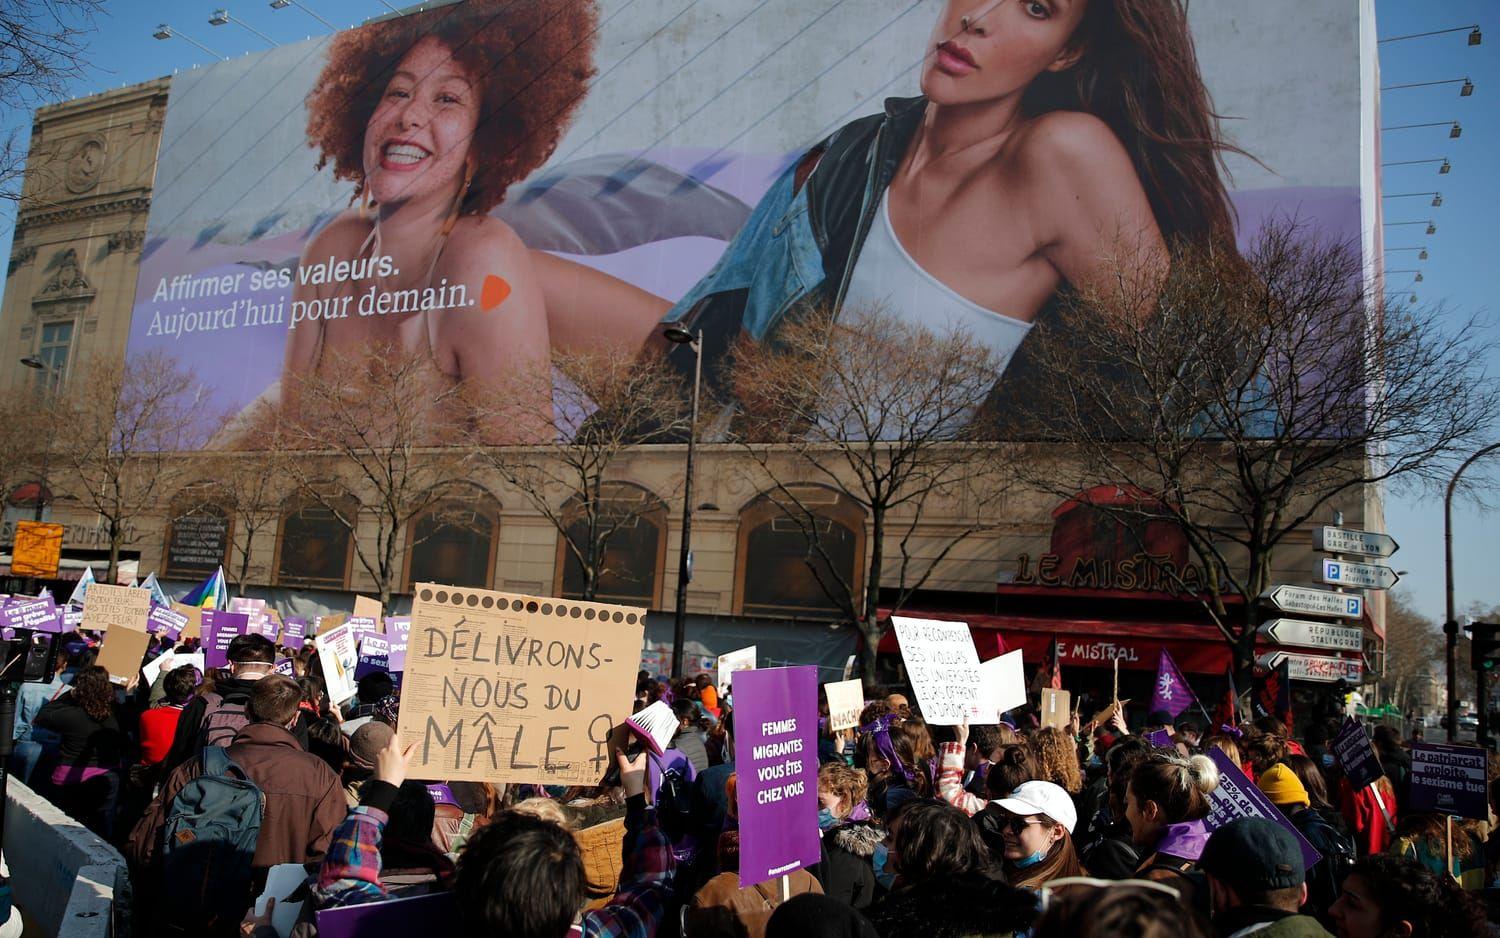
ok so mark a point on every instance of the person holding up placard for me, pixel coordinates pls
(899, 756)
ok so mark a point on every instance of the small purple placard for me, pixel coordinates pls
(362, 625)
(776, 723)
(72, 619)
(435, 913)
(397, 627)
(294, 632)
(37, 614)
(374, 655)
(166, 621)
(1237, 797)
(1352, 748)
(284, 666)
(219, 629)
(1161, 739)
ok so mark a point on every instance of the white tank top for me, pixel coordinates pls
(888, 278)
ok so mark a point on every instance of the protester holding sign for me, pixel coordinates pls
(1166, 805)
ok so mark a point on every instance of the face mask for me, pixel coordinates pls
(886, 878)
(826, 819)
(1327, 760)
(1032, 860)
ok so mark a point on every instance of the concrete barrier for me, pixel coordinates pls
(66, 880)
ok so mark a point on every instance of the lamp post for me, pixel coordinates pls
(165, 31)
(678, 334)
(1450, 626)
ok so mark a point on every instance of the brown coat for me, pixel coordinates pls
(304, 802)
(721, 909)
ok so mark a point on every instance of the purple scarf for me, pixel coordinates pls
(881, 731)
(1184, 839)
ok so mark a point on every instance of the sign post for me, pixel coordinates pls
(1307, 601)
(1305, 634)
(1370, 576)
(1319, 668)
(1334, 540)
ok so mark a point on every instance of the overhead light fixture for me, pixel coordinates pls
(1445, 169)
(1437, 200)
(1456, 132)
(1466, 89)
(280, 4)
(1431, 228)
(1422, 256)
(163, 31)
(1412, 298)
(1418, 278)
(1476, 37)
(219, 18)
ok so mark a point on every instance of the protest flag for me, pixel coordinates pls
(1172, 692)
(158, 595)
(1049, 675)
(210, 594)
(76, 597)
(1227, 711)
(1272, 696)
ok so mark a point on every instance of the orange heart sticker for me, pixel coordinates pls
(494, 292)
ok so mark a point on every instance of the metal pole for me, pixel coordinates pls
(9, 691)
(1450, 626)
(684, 565)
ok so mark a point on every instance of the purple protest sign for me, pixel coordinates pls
(167, 621)
(374, 655)
(72, 619)
(1449, 779)
(1161, 739)
(397, 626)
(284, 666)
(435, 913)
(219, 629)
(294, 632)
(361, 626)
(1352, 748)
(776, 724)
(37, 614)
(1237, 797)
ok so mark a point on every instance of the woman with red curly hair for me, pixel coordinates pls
(433, 116)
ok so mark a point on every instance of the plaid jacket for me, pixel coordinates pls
(350, 874)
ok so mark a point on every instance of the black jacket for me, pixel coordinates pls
(846, 869)
(969, 904)
(85, 740)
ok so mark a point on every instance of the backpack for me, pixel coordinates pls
(1326, 878)
(208, 845)
(223, 717)
(674, 802)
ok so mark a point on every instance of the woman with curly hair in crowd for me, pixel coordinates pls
(86, 781)
(433, 116)
(1057, 759)
(1392, 896)
(850, 836)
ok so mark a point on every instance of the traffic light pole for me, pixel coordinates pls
(1450, 627)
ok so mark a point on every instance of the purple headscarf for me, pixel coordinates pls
(880, 729)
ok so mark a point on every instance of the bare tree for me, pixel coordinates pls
(25, 441)
(1250, 396)
(251, 482)
(126, 428)
(376, 439)
(43, 44)
(609, 403)
(1413, 652)
(890, 415)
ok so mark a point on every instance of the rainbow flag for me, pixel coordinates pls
(210, 594)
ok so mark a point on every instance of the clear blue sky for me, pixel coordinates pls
(1460, 273)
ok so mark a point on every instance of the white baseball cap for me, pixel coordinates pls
(1037, 797)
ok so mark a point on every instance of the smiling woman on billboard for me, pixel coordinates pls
(1051, 137)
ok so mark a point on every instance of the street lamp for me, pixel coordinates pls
(679, 334)
(164, 31)
(1450, 626)
(1444, 167)
(283, 4)
(221, 16)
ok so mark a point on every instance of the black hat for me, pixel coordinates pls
(1253, 854)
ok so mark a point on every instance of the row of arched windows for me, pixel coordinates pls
(777, 571)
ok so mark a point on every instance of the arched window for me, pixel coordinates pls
(198, 534)
(776, 556)
(454, 541)
(313, 547)
(633, 523)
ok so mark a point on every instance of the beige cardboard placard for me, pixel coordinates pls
(507, 688)
(122, 651)
(329, 623)
(1056, 707)
(194, 627)
(105, 605)
(845, 700)
(365, 606)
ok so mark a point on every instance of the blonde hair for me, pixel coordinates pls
(1057, 759)
(547, 810)
(1179, 786)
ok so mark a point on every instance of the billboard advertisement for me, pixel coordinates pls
(486, 184)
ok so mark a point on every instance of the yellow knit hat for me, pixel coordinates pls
(1282, 786)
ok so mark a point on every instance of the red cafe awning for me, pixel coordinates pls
(1198, 648)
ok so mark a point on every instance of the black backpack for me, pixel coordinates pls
(1326, 877)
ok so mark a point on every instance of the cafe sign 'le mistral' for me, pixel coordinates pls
(1140, 572)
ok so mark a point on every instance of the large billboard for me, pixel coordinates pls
(489, 182)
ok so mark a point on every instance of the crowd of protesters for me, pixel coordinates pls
(930, 831)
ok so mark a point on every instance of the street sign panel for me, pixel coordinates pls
(1305, 634)
(1307, 601)
(1349, 541)
(1315, 667)
(1370, 576)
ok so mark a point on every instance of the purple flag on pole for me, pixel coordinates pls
(776, 716)
(1172, 692)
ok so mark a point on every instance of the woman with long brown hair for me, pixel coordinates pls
(1031, 833)
(87, 777)
(1054, 141)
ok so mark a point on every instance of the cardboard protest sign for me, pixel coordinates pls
(122, 652)
(1056, 707)
(168, 622)
(1352, 748)
(1002, 687)
(500, 687)
(294, 632)
(40, 615)
(433, 914)
(943, 668)
(105, 605)
(742, 659)
(328, 623)
(194, 616)
(1449, 779)
(776, 751)
(845, 700)
(374, 655)
(1237, 797)
(220, 628)
(338, 653)
(367, 608)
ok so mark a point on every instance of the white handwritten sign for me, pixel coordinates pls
(943, 668)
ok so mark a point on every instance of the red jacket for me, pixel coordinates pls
(1372, 832)
(158, 726)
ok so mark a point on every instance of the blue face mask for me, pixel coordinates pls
(826, 819)
(1327, 760)
(1032, 860)
(886, 878)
